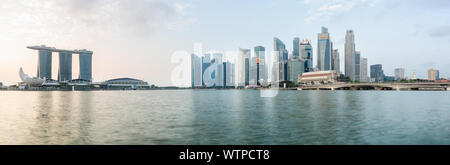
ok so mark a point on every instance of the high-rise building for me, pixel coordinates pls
(85, 65)
(335, 62)
(296, 47)
(196, 71)
(433, 74)
(414, 76)
(357, 66)
(206, 73)
(399, 73)
(243, 67)
(364, 76)
(306, 54)
(280, 62)
(350, 54)
(45, 64)
(219, 70)
(65, 66)
(324, 50)
(295, 68)
(376, 73)
(261, 70)
(229, 78)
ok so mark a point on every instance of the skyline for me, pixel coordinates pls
(401, 37)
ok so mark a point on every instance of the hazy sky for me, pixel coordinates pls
(136, 38)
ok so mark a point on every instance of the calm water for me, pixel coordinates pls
(224, 117)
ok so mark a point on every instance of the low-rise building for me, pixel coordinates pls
(318, 77)
(125, 83)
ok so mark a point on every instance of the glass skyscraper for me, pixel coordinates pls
(86, 65)
(376, 73)
(45, 64)
(357, 66)
(306, 53)
(324, 50)
(350, 54)
(280, 62)
(261, 71)
(243, 67)
(295, 68)
(296, 47)
(335, 61)
(65, 66)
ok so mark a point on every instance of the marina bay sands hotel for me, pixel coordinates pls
(44, 69)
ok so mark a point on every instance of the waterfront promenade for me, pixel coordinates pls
(433, 86)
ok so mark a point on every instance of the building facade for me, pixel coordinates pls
(243, 67)
(295, 68)
(357, 76)
(306, 53)
(399, 73)
(433, 74)
(324, 50)
(376, 73)
(364, 74)
(335, 61)
(350, 54)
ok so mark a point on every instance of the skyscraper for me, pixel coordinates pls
(350, 54)
(364, 76)
(280, 62)
(399, 73)
(219, 70)
(229, 77)
(357, 66)
(335, 61)
(243, 67)
(295, 68)
(433, 74)
(86, 65)
(306, 53)
(261, 71)
(376, 73)
(65, 66)
(45, 64)
(324, 50)
(196, 71)
(206, 74)
(296, 47)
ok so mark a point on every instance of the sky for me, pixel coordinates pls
(137, 38)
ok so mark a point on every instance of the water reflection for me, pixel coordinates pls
(224, 117)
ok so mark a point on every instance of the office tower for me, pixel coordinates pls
(357, 66)
(218, 58)
(296, 47)
(280, 62)
(350, 54)
(306, 54)
(433, 74)
(295, 68)
(335, 62)
(376, 73)
(196, 71)
(414, 76)
(228, 68)
(65, 66)
(206, 63)
(45, 64)
(364, 77)
(243, 67)
(261, 75)
(399, 73)
(324, 50)
(85, 65)
(253, 79)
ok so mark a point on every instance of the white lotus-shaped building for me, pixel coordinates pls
(31, 81)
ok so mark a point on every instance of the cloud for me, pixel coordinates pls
(438, 32)
(137, 17)
(329, 8)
